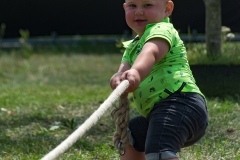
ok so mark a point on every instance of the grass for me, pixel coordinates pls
(43, 91)
(197, 54)
(45, 96)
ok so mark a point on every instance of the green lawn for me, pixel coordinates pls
(46, 96)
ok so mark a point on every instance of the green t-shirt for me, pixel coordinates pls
(168, 75)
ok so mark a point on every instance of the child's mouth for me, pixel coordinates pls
(139, 20)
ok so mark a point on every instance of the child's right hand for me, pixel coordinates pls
(115, 80)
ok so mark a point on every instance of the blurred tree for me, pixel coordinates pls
(213, 28)
(2, 30)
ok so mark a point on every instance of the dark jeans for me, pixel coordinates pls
(176, 122)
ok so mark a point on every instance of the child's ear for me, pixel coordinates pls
(124, 6)
(169, 8)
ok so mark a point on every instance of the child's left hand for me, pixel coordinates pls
(133, 76)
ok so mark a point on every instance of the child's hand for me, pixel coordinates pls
(133, 77)
(115, 80)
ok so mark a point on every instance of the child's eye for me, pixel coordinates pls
(147, 5)
(132, 5)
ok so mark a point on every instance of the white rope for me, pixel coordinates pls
(67, 143)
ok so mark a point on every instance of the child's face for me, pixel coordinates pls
(139, 13)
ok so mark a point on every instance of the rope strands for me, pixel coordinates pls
(67, 143)
(121, 140)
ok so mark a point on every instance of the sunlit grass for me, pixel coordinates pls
(230, 55)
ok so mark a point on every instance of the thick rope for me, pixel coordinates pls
(121, 140)
(66, 144)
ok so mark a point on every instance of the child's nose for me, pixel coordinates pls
(139, 11)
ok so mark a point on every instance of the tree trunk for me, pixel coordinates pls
(213, 27)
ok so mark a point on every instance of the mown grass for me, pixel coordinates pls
(45, 96)
(197, 54)
(43, 91)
